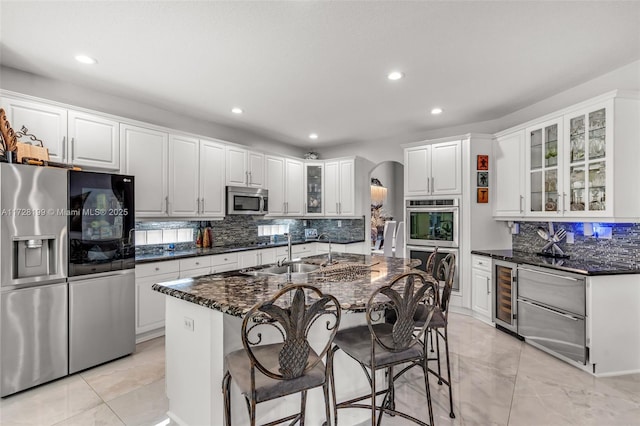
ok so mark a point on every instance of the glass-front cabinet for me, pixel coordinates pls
(588, 151)
(314, 182)
(544, 164)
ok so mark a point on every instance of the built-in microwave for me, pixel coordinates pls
(242, 200)
(432, 223)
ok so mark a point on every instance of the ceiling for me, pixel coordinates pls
(321, 66)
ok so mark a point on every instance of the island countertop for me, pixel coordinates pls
(234, 293)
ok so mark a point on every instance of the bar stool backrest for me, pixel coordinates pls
(286, 319)
(446, 272)
(405, 293)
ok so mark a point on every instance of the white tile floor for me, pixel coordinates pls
(497, 380)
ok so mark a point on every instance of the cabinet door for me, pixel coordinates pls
(247, 259)
(145, 154)
(255, 168)
(446, 173)
(417, 173)
(294, 187)
(149, 303)
(212, 188)
(236, 166)
(588, 184)
(267, 256)
(183, 176)
(313, 187)
(276, 185)
(481, 293)
(508, 154)
(331, 187)
(347, 201)
(94, 141)
(544, 175)
(48, 123)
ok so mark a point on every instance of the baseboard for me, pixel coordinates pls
(143, 337)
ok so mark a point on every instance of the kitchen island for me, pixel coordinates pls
(203, 323)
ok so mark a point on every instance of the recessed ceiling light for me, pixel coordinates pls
(436, 111)
(313, 136)
(395, 75)
(84, 59)
(237, 110)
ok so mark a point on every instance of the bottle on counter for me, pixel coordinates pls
(199, 238)
(206, 238)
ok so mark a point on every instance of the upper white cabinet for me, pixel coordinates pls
(196, 177)
(433, 169)
(71, 136)
(47, 122)
(211, 181)
(314, 189)
(144, 153)
(285, 182)
(94, 141)
(569, 161)
(508, 154)
(184, 195)
(339, 192)
(543, 160)
(244, 167)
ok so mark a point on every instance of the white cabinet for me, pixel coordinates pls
(144, 153)
(508, 160)
(250, 258)
(284, 180)
(481, 288)
(196, 177)
(94, 141)
(314, 189)
(224, 262)
(150, 304)
(184, 199)
(433, 169)
(339, 191)
(303, 250)
(74, 137)
(244, 167)
(211, 181)
(47, 122)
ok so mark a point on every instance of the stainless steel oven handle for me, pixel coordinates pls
(552, 275)
(553, 311)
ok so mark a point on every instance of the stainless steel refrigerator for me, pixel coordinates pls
(33, 274)
(67, 299)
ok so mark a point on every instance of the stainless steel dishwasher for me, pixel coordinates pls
(551, 311)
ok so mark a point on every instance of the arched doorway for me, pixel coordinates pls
(387, 197)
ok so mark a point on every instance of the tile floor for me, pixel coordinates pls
(497, 379)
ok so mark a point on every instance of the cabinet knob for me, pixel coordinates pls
(157, 269)
(197, 263)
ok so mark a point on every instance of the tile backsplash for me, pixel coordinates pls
(154, 236)
(622, 248)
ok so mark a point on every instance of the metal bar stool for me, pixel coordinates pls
(268, 370)
(380, 345)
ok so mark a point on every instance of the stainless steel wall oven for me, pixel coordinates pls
(432, 223)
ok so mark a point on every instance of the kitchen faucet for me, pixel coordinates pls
(289, 255)
(330, 256)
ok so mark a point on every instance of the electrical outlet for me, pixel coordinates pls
(188, 323)
(570, 238)
(304, 223)
(339, 224)
(602, 232)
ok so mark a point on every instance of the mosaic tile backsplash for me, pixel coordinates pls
(622, 248)
(238, 230)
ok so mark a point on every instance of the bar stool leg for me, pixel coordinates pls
(303, 405)
(438, 356)
(226, 381)
(446, 345)
(425, 371)
(327, 413)
(330, 355)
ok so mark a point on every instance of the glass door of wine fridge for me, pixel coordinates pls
(504, 306)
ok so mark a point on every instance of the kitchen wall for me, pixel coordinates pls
(243, 230)
(151, 112)
(623, 247)
(626, 77)
(391, 175)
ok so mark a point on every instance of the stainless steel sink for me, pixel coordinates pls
(295, 268)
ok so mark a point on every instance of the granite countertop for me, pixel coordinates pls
(235, 293)
(578, 266)
(180, 254)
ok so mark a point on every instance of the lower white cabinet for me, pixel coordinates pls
(149, 303)
(481, 288)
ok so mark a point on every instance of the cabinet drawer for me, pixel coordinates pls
(224, 259)
(195, 272)
(566, 292)
(481, 262)
(198, 262)
(157, 268)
